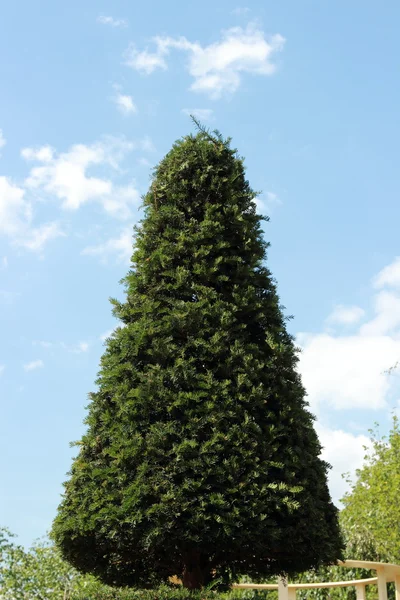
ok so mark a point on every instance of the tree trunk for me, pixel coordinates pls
(196, 572)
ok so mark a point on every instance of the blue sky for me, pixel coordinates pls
(92, 96)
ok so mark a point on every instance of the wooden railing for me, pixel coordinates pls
(385, 573)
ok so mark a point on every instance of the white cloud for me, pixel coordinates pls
(35, 364)
(260, 204)
(267, 202)
(16, 216)
(348, 371)
(66, 176)
(37, 237)
(346, 315)
(15, 211)
(44, 154)
(72, 178)
(345, 372)
(203, 114)
(389, 276)
(80, 348)
(74, 349)
(345, 452)
(144, 61)
(113, 22)
(144, 162)
(120, 247)
(43, 344)
(272, 199)
(3, 140)
(125, 104)
(218, 67)
(146, 144)
(119, 203)
(4, 263)
(2, 367)
(387, 315)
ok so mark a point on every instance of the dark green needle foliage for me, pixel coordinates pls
(200, 458)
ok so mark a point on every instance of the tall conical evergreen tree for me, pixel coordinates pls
(200, 457)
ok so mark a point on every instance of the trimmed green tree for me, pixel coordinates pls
(200, 458)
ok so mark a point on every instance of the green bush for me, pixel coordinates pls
(173, 593)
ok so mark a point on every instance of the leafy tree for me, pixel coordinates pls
(371, 515)
(200, 457)
(370, 519)
(39, 573)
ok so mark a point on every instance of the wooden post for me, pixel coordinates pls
(283, 590)
(382, 586)
(292, 594)
(397, 587)
(360, 592)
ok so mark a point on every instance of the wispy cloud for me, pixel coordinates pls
(120, 248)
(272, 199)
(78, 348)
(346, 315)
(43, 344)
(4, 263)
(217, 68)
(33, 365)
(16, 218)
(2, 367)
(112, 21)
(3, 140)
(146, 62)
(267, 202)
(389, 275)
(124, 102)
(39, 236)
(147, 145)
(67, 176)
(203, 114)
(15, 211)
(144, 162)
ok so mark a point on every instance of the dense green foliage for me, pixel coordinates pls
(200, 457)
(39, 573)
(371, 515)
(171, 593)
